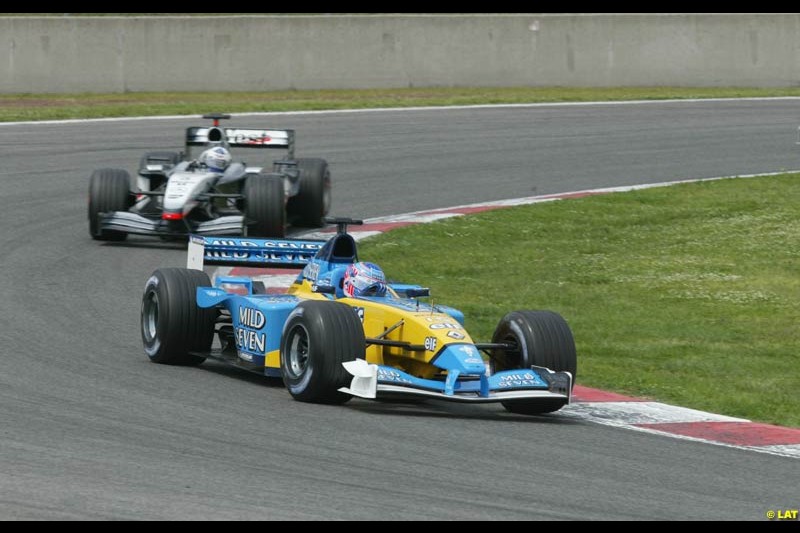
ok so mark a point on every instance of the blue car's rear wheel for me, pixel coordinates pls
(174, 328)
(317, 338)
(539, 338)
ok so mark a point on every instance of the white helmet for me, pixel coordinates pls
(216, 159)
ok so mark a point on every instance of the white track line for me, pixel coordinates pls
(631, 413)
(417, 108)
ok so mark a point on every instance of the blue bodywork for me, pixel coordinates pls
(257, 321)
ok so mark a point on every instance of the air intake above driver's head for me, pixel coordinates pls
(215, 135)
(344, 249)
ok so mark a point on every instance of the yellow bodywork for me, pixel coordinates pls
(425, 327)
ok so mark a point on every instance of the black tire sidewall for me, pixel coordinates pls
(298, 385)
(152, 345)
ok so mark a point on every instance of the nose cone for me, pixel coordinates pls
(462, 357)
(172, 215)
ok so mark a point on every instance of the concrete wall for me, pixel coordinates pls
(257, 53)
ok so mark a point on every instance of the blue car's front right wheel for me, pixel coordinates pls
(535, 338)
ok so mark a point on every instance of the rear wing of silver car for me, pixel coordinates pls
(241, 138)
(252, 252)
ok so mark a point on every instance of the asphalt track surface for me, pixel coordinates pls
(90, 429)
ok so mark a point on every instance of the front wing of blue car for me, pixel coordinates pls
(383, 382)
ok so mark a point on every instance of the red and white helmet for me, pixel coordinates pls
(364, 279)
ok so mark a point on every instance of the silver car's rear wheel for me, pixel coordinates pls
(313, 201)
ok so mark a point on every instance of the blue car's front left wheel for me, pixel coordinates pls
(317, 338)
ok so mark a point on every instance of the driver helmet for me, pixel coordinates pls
(364, 279)
(216, 159)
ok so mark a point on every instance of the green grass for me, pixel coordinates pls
(17, 107)
(687, 294)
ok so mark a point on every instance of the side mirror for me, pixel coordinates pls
(324, 289)
(415, 293)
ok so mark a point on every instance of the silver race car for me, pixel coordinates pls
(178, 194)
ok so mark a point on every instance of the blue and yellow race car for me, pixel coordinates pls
(342, 330)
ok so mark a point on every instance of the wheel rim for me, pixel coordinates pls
(511, 358)
(297, 351)
(150, 316)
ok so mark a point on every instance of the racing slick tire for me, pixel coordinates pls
(317, 338)
(173, 326)
(109, 190)
(311, 204)
(543, 338)
(265, 205)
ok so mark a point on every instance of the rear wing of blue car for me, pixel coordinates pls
(241, 138)
(252, 252)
